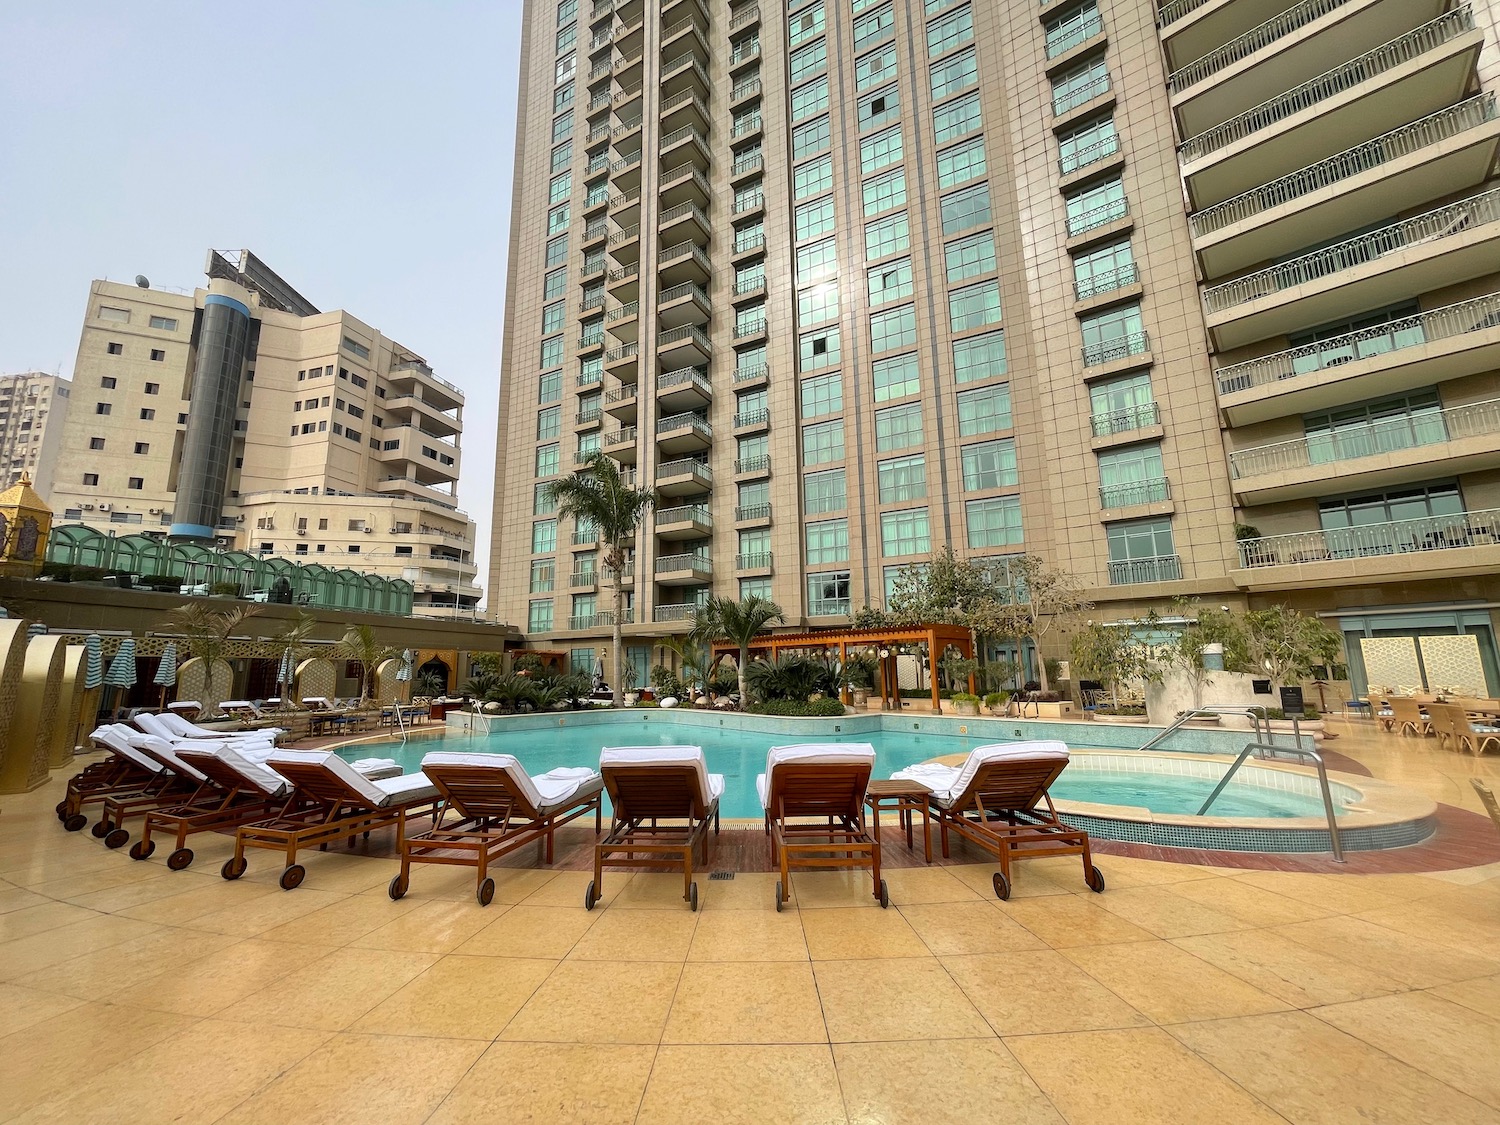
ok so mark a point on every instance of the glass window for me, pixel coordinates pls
(749, 277)
(885, 191)
(557, 250)
(554, 316)
(755, 588)
(756, 541)
(749, 235)
(566, 11)
(562, 97)
(891, 235)
(1104, 269)
(1122, 404)
(543, 537)
(751, 449)
(1082, 83)
(1440, 499)
(819, 303)
(1087, 144)
(823, 442)
(1113, 334)
(984, 411)
(753, 494)
(562, 126)
(555, 284)
(904, 533)
(878, 107)
(559, 188)
(967, 208)
(970, 257)
(896, 377)
(803, 25)
(809, 60)
(566, 37)
(990, 464)
(902, 479)
(1139, 539)
(750, 403)
(548, 460)
(810, 179)
(933, 7)
(895, 328)
(810, 99)
(824, 492)
(955, 118)
(548, 423)
(898, 427)
(957, 72)
(539, 616)
(1094, 206)
(567, 66)
(543, 575)
(810, 138)
(818, 348)
(590, 371)
(1376, 426)
(974, 306)
(817, 261)
(562, 156)
(549, 386)
(945, 34)
(828, 541)
(879, 150)
(876, 67)
(995, 522)
(542, 503)
(750, 359)
(1068, 29)
(558, 217)
(828, 594)
(1130, 466)
(891, 281)
(961, 162)
(822, 394)
(979, 357)
(815, 219)
(876, 25)
(749, 319)
(551, 352)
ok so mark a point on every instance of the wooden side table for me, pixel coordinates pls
(905, 797)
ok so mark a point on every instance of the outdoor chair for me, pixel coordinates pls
(1380, 708)
(1408, 716)
(1442, 718)
(338, 803)
(125, 770)
(664, 802)
(814, 800)
(174, 728)
(178, 783)
(1468, 735)
(999, 801)
(499, 809)
(1487, 798)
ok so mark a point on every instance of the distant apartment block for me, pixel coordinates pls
(33, 410)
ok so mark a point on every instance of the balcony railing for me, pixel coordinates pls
(691, 61)
(1126, 419)
(591, 301)
(626, 127)
(628, 270)
(1152, 491)
(1096, 217)
(684, 332)
(627, 311)
(684, 376)
(744, 53)
(741, 19)
(589, 417)
(604, 618)
(585, 535)
(752, 418)
(1085, 93)
(682, 611)
(689, 171)
(627, 91)
(1475, 315)
(1130, 572)
(596, 229)
(628, 234)
(623, 393)
(1402, 49)
(629, 160)
(1387, 435)
(1118, 347)
(593, 263)
(754, 371)
(1428, 227)
(751, 201)
(747, 243)
(747, 164)
(751, 124)
(683, 211)
(596, 164)
(1361, 158)
(590, 378)
(684, 97)
(828, 607)
(583, 578)
(753, 512)
(624, 351)
(744, 90)
(1174, 10)
(684, 466)
(687, 132)
(1092, 154)
(1426, 533)
(601, 69)
(759, 560)
(758, 464)
(752, 284)
(690, 420)
(628, 196)
(672, 564)
(1107, 282)
(591, 339)
(1082, 32)
(625, 435)
(684, 250)
(751, 327)
(1243, 46)
(685, 513)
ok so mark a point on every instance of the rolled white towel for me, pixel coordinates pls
(364, 765)
(570, 773)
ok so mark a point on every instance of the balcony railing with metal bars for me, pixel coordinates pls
(751, 327)
(601, 69)
(1126, 419)
(669, 69)
(752, 512)
(757, 560)
(685, 513)
(748, 243)
(746, 89)
(628, 270)
(624, 128)
(1085, 93)
(748, 418)
(1109, 281)
(680, 25)
(684, 332)
(1403, 48)
(1152, 491)
(681, 98)
(689, 562)
(753, 372)
(625, 62)
(1117, 347)
(583, 578)
(591, 302)
(597, 197)
(624, 351)
(585, 535)
(684, 376)
(625, 312)
(1243, 46)
(747, 285)
(686, 133)
(668, 178)
(744, 53)
(1429, 227)
(1131, 572)
(685, 466)
(743, 19)
(689, 420)
(747, 164)
(591, 339)
(589, 417)
(597, 164)
(590, 378)
(628, 234)
(596, 229)
(629, 160)
(678, 611)
(1096, 217)
(627, 92)
(1081, 32)
(751, 124)
(599, 101)
(1384, 149)
(1081, 158)
(684, 250)
(757, 464)
(625, 435)
(598, 132)
(683, 211)
(624, 197)
(1425, 533)
(685, 289)
(751, 201)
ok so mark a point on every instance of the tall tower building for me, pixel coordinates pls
(848, 281)
(33, 410)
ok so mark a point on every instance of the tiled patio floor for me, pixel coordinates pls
(1185, 993)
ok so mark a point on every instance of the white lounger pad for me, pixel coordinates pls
(167, 751)
(550, 788)
(379, 794)
(811, 753)
(947, 788)
(254, 772)
(116, 737)
(710, 785)
(181, 728)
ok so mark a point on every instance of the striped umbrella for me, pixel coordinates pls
(36, 629)
(403, 673)
(121, 672)
(284, 676)
(93, 662)
(166, 671)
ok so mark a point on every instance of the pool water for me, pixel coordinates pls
(741, 754)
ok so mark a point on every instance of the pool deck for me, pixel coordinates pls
(1187, 992)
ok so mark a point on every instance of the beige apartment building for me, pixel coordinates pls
(241, 415)
(33, 410)
(1197, 299)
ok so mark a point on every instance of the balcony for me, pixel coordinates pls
(594, 264)
(685, 72)
(405, 378)
(685, 146)
(1092, 220)
(684, 570)
(1110, 281)
(1126, 420)
(595, 232)
(1131, 346)
(745, 328)
(750, 376)
(684, 222)
(684, 109)
(689, 521)
(586, 537)
(624, 282)
(1157, 490)
(744, 54)
(685, 34)
(684, 433)
(1398, 82)
(751, 126)
(758, 466)
(687, 476)
(685, 346)
(626, 171)
(1442, 247)
(1391, 451)
(744, 91)
(744, 20)
(752, 513)
(583, 579)
(591, 340)
(584, 455)
(676, 611)
(625, 245)
(687, 303)
(1088, 157)
(684, 262)
(596, 200)
(748, 421)
(1070, 101)
(624, 323)
(625, 206)
(1431, 347)
(621, 403)
(623, 362)
(685, 389)
(747, 287)
(604, 619)
(746, 166)
(1065, 40)
(749, 203)
(1446, 152)
(1455, 546)
(621, 444)
(683, 184)
(1135, 572)
(590, 378)
(758, 561)
(627, 93)
(589, 417)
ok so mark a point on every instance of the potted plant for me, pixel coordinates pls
(998, 703)
(964, 703)
(859, 674)
(631, 676)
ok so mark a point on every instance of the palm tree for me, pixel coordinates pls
(208, 631)
(597, 496)
(295, 638)
(362, 646)
(739, 623)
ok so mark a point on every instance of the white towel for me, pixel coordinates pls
(364, 765)
(569, 773)
(938, 778)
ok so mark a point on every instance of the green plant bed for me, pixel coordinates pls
(1123, 709)
(794, 708)
(1309, 714)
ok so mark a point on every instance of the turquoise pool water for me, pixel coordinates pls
(741, 754)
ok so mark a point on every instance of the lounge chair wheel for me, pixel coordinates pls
(233, 868)
(142, 849)
(590, 896)
(100, 830)
(62, 809)
(778, 896)
(1002, 886)
(885, 895)
(179, 859)
(486, 893)
(75, 822)
(693, 897)
(292, 877)
(397, 889)
(116, 838)
(1095, 880)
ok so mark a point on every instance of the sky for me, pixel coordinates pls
(363, 150)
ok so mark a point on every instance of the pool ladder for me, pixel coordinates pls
(1264, 742)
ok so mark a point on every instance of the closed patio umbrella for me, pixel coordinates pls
(93, 661)
(166, 671)
(284, 677)
(121, 672)
(403, 671)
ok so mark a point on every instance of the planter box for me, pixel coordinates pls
(1122, 720)
(1314, 727)
(965, 708)
(1060, 710)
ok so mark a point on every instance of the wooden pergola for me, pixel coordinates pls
(937, 638)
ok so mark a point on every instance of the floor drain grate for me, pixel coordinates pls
(721, 876)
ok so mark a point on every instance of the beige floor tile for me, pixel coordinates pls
(1249, 903)
(910, 886)
(1038, 991)
(743, 1085)
(767, 1002)
(852, 932)
(1032, 879)
(356, 1079)
(656, 890)
(1452, 1043)
(532, 931)
(1405, 959)
(39, 919)
(1473, 927)
(431, 927)
(21, 1006)
(748, 935)
(117, 900)
(1134, 1077)
(1343, 894)
(195, 897)
(748, 890)
(818, 890)
(210, 984)
(193, 1078)
(1314, 1074)
(18, 898)
(341, 922)
(1300, 975)
(439, 882)
(333, 870)
(892, 999)
(257, 915)
(332, 992)
(1074, 920)
(1126, 871)
(1481, 995)
(1169, 984)
(116, 871)
(565, 889)
(566, 1008)
(100, 975)
(974, 926)
(550, 1084)
(938, 1084)
(28, 954)
(1165, 913)
(637, 935)
(459, 998)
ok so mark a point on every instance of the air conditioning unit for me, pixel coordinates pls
(369, 531)
(87, 507)
(154, 511)
(302, 531)
(105, 507)
(239, 519)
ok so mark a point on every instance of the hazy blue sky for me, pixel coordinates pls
(362, 149)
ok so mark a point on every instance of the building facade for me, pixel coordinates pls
(241, 415)
(1155, 293)
(33, 411)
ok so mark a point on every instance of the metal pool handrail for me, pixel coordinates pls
(1302, 752)
(1257, 715)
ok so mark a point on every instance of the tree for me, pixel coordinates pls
(295, 636)
(1034, 598)
(739, 623)
(1112, 655)
(943, 591)
(1287, 643)
(208, 630)
(596, 495)
(361, 645)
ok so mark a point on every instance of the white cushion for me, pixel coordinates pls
(811, 753)
(710, 785)
(377, 794)
(548, 788)
(117, 738)
(168, 753)
(185, 705)
(406, 789)
(1001, 752)
(256, 773)
(938, 778)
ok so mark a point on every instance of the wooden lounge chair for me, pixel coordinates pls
(664, 801)
(1409, 716)
(174, 728)
(1487, 798)
(338, 804)
(125, 770)
(499, 809)
(998, 800)
(814, 798)
(1380, 708)
(172, 784)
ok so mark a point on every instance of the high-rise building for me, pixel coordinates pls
(1199, 299)
(241, 415)
(33, 408)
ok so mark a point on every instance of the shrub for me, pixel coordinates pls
(665, 682)
(796, 708)
(996, 699)
(1121, 709)
(58, 572)
(647, 703)
(1308, 713)
(86, 574)
(167, 582)
(964, 697)
(230, 588)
